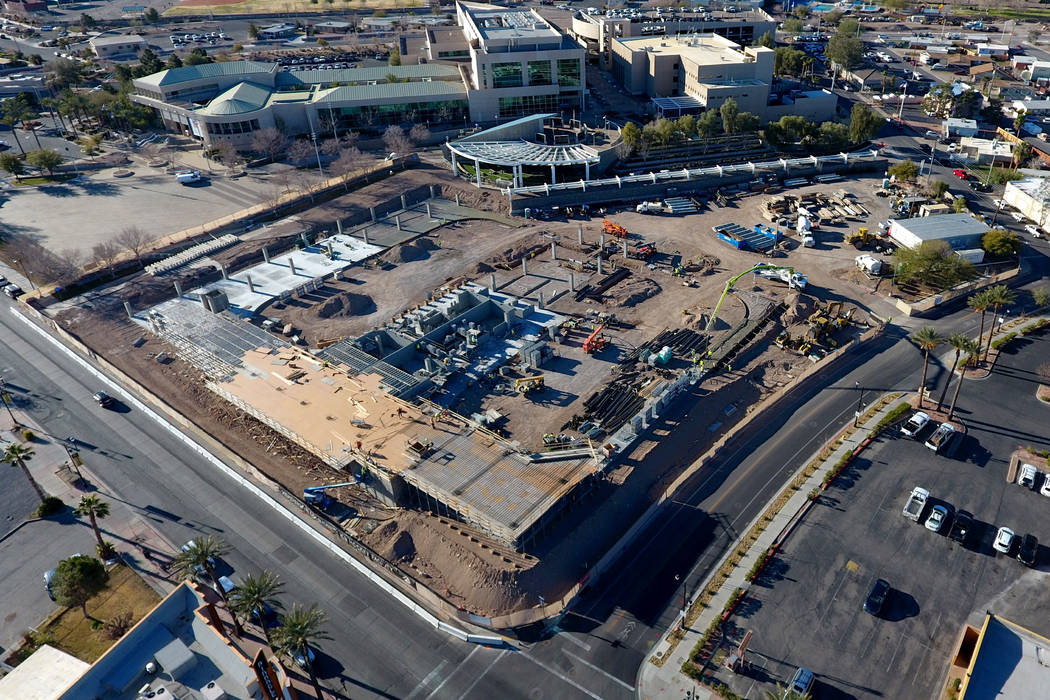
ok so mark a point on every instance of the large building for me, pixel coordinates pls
(117, 45)
(693, 73)
(596, 32)
(1031, 197)
(501, 64)
(960, 231)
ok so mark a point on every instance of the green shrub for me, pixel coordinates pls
(1033, 327)
(693, 671)
(50, 506)
(1000, 343)
(28, 435)
(890, 418)
(759, 563)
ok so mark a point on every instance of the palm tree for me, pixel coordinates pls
(17, 455)
(95, 509)
(200, 555)
(1000, 296)
(979, 302)
(959, 342)
(10, 121)
(927, 339)
(972, 350)
(300, 631)
(254, 595)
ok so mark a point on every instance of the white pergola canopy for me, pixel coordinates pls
(521, 152)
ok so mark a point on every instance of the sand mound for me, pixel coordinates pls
(427, 244)
(407, 252)
(483, 268)
(347, 304)
(799, 308)
(403, 548)
(634, 291)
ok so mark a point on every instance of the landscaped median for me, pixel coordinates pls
(728, 586)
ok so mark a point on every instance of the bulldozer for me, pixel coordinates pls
(861, 238)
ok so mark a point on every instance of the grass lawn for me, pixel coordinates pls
(43, 180)
(73, 634)
(221, 7)
(1008, 12)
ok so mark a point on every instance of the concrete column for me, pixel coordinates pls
(457, 200)
(554, 177)
(524, 267)
(455, 170)
(291, 264)
(554, 250)
(539, 299)
(404, 201)
(266, 254)
(572, 282)
(601, 241)
(372, 212)
(624, 248)
(428, 207)
(586, 171)
(365, 232)
(339, 226)
(127, 307)
(302, 237)
(251, 287)
(637, 425)
(432, 192)
(477, 171)
(331, 252)
(178, 289)
(599, 263)
(492, 281)
(579, 235)
(397, 220)
(222, 269)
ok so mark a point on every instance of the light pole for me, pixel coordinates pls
(685, 596)
(313, 137)
(70, 444)
(900, 112)
(860, 399)
(25, 274)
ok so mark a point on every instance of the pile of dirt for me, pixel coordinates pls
(633, 291)
(406, 252)
(427, 244)
(483, 268)
(799, 308)
(452, 562)
(347, 304)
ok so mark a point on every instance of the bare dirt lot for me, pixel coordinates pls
(473, 570)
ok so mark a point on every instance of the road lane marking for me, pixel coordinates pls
(605, 673)
(430, 677)
(482, 674)
(559, 674)
(446, 678)
(562, 634)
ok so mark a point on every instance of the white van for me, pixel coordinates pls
(186, 177)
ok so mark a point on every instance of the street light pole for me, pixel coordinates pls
(860, 399)
(5, 397)
(313, 137)
(900, 112)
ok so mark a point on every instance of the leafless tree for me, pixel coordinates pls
(304, 182)
(348, 161)
(226, 152)
(105, 253)
(419, 134)
(270, 141)
(396, 140)
(134, 240)
(331, 147)
(301, 152)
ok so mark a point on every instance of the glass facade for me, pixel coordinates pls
(458, 53)
(506, 75)
(511, 107)
(376, 116)
(568, 72)
(540, 73)
(234, 127)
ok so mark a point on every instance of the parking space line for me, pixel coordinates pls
(889, 666)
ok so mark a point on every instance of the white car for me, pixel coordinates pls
(916, 423)
(1045, 489)
(938, 514)
(1026, 477)
(1004, 539)
(998, 203)
(1018, 216)
(1034, 230)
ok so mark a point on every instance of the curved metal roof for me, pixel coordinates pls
(524, 152)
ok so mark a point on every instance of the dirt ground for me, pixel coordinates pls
(480, 574)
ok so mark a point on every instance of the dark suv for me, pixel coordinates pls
(1028, 551)
(961, 527)
(103, 399)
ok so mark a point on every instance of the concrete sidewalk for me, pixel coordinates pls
(667, 682)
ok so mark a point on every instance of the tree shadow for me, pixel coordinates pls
(57, 191)
(776, 570)
(97, 189)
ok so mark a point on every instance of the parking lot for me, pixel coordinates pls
(807, 610)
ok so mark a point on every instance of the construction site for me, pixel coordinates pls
(466, 393)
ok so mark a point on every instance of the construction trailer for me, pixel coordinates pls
(759, 238)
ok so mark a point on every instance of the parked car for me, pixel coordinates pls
(916, 423)
(103, 399)
(962, 525)
(941, 437)
(1028, 552)
(801, 684)
(960, 173)
(1017, 216)
(1026, 476)
(1034, 230)
(1004, 540)
(938, 514)
(1045, 489)
(876, 597)
(12, 290)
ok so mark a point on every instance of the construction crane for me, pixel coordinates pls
(595, 342)
(316, 496)
(613, 229)
(793, 279)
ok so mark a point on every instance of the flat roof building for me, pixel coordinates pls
(960, 231)
(277, 31)
(1030, 196)
(117, 45)
(1005, 661)
(43, 676)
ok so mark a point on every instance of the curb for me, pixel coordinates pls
(18, 527)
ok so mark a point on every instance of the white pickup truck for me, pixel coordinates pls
(916, 502)
(649, 208)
